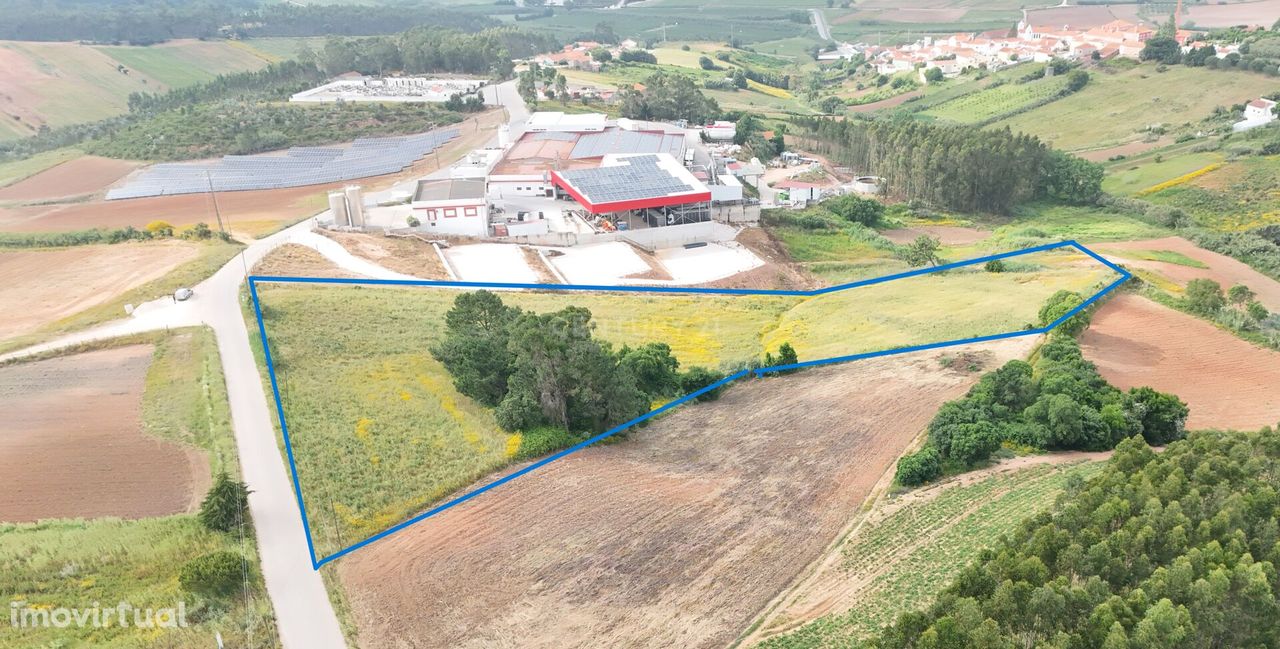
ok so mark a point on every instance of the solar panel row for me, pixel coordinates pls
(299, 166)
(641, 178)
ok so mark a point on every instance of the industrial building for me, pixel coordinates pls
(452, 206)
(634, 191)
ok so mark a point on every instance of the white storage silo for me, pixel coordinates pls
(355, 206)
(338, 206)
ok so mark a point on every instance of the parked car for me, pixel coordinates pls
(183, 294)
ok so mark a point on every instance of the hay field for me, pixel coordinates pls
(379, 432)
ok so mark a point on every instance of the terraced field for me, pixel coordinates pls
(913, 546)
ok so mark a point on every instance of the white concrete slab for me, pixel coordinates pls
(600, 263)
(490, 262)
(708, 263)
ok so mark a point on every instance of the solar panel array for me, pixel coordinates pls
(640, 179)
(299, 166)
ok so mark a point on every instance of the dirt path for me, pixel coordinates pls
(72, 443)
(950, 235)
(1221, 268)
(1227, 382)
(677, 536)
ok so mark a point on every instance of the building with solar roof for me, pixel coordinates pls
(556, 142)
(638, 191)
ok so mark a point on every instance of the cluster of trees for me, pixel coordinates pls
(143, 22)
(1260, 52)
(225, 510)
(957, 168)
(231, 127)
(1237, 309)
(668, 97)
(430, 49)
(548, 369)
(1059, 403)
(1170, 549)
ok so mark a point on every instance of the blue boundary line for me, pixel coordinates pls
(284, 429)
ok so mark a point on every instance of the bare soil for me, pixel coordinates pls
(1227, 382)
(778, 271)
(82, 176)
(44, 286)
(894, 101)
(1221, 268)
(677, 536)
(950, 235)
(1207, 16)
(72, 443)
(295, 260)
(1074, 17)
(407, 255)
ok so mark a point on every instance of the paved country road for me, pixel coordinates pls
(820, 23)
(304, 615)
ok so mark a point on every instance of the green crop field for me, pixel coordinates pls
(907, 557)
(1131, 176)
(1001, 100)
(75, 563)
(1119, 104)
(379, 432)
(16, 170)
(185, 63)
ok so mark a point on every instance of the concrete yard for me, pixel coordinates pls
(600, 263)
(490, 262)
(709, 263)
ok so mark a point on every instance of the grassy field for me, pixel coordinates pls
(57, 84)
(1037, 224)
(1139, 174)
(1237, 195)
(213, 255)
(379, 431)
(77, 563)
(1166, 256)
(1119, 104)
(12, 172)
(996, 102)
(902, 560)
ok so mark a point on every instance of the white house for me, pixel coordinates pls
(452, 207)
(1256, 113)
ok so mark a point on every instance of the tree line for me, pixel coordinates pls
(431, 49)
(1170, 549)
(1058, 403)
(954, 167)
(143, 22)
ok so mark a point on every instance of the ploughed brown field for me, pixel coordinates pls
(72, 443)
(675, 537)
(78, 177)
(1227, 382)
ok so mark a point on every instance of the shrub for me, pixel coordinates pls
(919, 467)
(412, 221)
(994, 266)
(215, 575)
(853, 208)
(226, 506)
(160, 228)
(1204, 296)
(542, 440)
(1060, 304)
(697, 378)
(654, 368)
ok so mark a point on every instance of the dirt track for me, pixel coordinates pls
(1227, 382)
(675, 537)
(72, 444)
(1221, 268)
(43, 286)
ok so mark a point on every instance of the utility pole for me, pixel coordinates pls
(212, 194)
